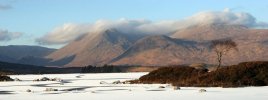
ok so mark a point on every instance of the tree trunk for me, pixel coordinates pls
(219, 60)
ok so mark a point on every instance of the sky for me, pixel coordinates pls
(31, 22)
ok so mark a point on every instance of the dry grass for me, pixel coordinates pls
(142, 69)
(243, 74)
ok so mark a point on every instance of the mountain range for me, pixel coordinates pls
(185, 46)
(24, 54)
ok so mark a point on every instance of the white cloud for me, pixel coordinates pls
(64, 34)
(69, 32)
(226, 17)
(5, 35)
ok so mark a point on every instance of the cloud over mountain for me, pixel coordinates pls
(5, 35)
(64, 34)
(69, 32)
(226, 17)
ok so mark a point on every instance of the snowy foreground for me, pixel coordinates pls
(88, 87)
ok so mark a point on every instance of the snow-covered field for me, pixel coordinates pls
(88, 87)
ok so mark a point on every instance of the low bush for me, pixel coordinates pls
(171, 74)
(5, 78)
(243, 74)
(101, 69)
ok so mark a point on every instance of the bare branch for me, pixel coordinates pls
(221, 47)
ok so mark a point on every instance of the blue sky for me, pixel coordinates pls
(34, 18)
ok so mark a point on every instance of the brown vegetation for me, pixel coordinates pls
(101, 69)
(171, 74)
(5, 78)
(243, 74)
(141, 69)
(4, 72)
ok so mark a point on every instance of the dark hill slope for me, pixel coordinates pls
(13, 68)
(243, 74)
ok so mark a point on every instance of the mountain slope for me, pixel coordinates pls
(15, 68)
(157, 50)
(210, 32)
(186, 46)
(193, 46)
(13, 53)
(94, 49)
(251, 43)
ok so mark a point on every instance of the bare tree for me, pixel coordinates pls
(222, 47)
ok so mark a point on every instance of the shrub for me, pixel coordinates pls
(243, 74)
(5, 78)
(102, 69)
(171, 74)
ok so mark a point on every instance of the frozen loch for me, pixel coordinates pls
(108, 86)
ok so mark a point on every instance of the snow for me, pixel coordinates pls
(88, 87)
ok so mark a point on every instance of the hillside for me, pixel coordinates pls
(250, 42)
(185, 46)
(17, 53)
(20, 51)
(93, 49)
(13, 68)
(243, 74)
(157, 50)
(209, 32)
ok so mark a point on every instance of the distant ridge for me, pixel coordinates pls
(18, 53)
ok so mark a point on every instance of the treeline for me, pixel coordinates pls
(243, 74)
(101, 69)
